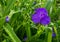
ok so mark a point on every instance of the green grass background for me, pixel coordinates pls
(20, 23)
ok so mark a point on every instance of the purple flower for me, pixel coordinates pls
(25, 38)
(53, 34)
(41, 16)
(7, 19)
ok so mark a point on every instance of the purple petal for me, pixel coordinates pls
(53, 34)
(7, 19)
(35, 18)
(41, 16)
(45, 20)
(25, 38)
(41, 11)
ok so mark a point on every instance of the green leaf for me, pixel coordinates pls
(10, 4)
(55, 30)
(49, 4)
(28, 31)
(49, 39)
(39, 32)
(11, 33)
(2, 20)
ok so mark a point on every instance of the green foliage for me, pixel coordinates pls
(21, 25)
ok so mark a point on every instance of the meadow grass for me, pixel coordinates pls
(19, 27)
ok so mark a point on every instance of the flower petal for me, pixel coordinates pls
(35, 18)
(7, 19)
(45, 20)
(41, 11)
(53, 34)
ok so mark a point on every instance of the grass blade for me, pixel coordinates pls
(49, 39)
(9, 6)
(11, 33)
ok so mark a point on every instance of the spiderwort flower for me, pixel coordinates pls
(53, 34)
(25, 38)
(41, 16)
(7, 19)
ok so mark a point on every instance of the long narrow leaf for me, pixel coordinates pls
(9, 6)
(11, 33)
